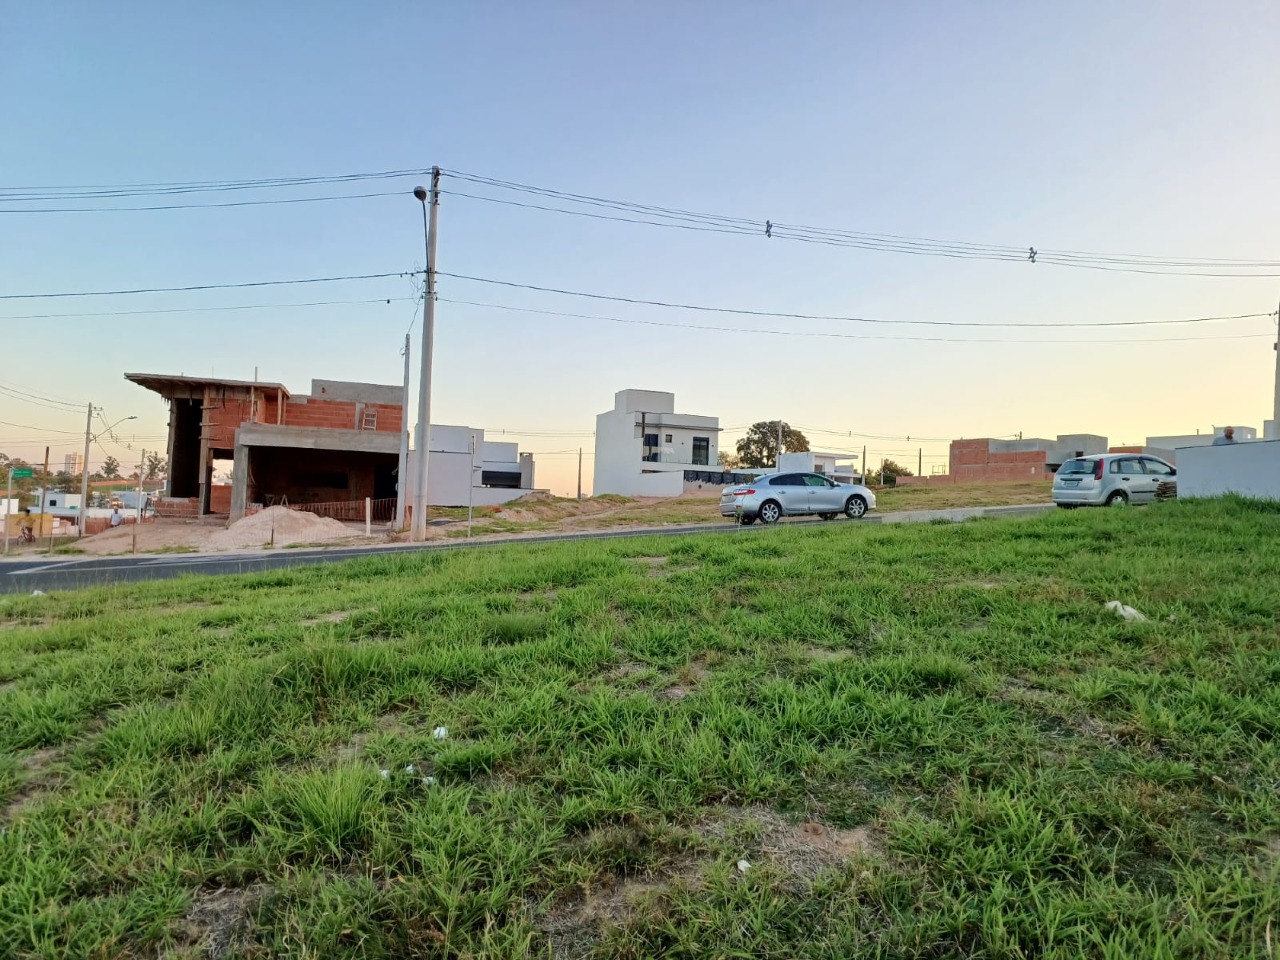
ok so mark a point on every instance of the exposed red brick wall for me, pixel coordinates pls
(340, 414)
(220, 498)
(1127, 450)
(176, 506)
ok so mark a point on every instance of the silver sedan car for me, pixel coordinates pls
(1111, 480)
(771, 497)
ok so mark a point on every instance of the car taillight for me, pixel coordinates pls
(1097, 469)
(745, 493)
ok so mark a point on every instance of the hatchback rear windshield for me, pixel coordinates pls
(1077, 466)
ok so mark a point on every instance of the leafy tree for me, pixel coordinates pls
(889, 473)
(759, 448)
(728, 460)
(157, 466)
(111, 469)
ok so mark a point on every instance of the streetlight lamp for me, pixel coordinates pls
(89, 436)
(419, 531)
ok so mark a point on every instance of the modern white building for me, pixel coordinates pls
(463, 467)
(644, 448)
(73, 463)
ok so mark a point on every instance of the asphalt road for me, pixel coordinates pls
(56, 573)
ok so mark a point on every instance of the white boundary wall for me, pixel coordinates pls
(1248, 469)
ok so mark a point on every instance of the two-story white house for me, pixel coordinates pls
(644, 448)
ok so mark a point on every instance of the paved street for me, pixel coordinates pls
(66, 573)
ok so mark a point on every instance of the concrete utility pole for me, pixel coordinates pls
(579, 473)
(920, 462)
(1275, 406)
(428, 338)
(44, 494)
(137, 520)
(402, 471)
(84, 473)
(778, 462)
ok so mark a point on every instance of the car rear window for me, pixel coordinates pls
(1077, 466)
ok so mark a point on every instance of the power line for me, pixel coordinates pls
(856, 336)
(28, 426)
(202, 286)
(199, 206)
(892, 243)
(240, 306)
(39, 400)
(9, 194)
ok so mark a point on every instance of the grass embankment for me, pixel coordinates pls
(926, 741)
(558, 514)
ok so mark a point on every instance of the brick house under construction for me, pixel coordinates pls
(339, 444)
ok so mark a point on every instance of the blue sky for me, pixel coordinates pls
(1121, 128)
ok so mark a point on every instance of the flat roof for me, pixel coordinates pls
(167, 384)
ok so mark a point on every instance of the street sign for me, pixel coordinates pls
(23, 473)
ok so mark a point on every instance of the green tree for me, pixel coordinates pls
(157, 466)
(111, 469)
(759, 448)
(889, 473)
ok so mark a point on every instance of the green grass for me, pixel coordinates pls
(925, 741)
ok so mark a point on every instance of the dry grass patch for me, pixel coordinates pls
(217, 925)
(803, 850)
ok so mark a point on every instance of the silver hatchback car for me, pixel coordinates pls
(1111, 480)
(771, 497)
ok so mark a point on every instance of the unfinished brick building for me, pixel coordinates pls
(985, 460)
(341, 443)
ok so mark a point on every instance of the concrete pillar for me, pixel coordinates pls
(206, 461)
(239, 482)
(526, 471)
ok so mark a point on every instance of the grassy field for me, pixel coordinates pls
(823, 741)
(563, 514)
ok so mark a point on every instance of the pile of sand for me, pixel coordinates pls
(544, 506)
(279, 526)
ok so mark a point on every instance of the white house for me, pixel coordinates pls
(644, 448)
(840, 467)
(462, 467)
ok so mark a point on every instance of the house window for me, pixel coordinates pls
(701, 450)
(668, 438)
(369, 421)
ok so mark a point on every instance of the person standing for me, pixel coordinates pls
(1228, 436)
(116, 519)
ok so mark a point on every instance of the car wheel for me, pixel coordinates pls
(1118, 499)
(855, 507)
(827, 516)
(770, 512)
(746, 521)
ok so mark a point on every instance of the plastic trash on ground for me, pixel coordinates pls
(1125, 611)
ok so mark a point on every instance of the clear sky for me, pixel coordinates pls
(1120, 128)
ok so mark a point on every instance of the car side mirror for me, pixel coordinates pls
(1173, 473)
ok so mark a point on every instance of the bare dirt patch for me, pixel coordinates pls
(218, 923)
(42, 779)
(155, 535)
(803, 850)
(387, 723)
(573, 924)
(686, 679)
(337, 616)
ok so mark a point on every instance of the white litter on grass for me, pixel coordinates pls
(743, 866)
(409, 769)
(37, 593)
(428, 781)
(384, 774)
(1123, 610)
(440, 733)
